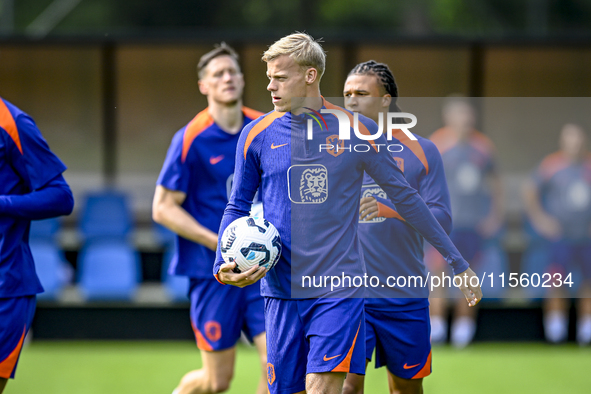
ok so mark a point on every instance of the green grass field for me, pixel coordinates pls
(156, 367)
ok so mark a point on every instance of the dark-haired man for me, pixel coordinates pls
(396, 328)
(191, 194)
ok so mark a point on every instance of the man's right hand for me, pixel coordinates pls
(228, 276)
(472, 293)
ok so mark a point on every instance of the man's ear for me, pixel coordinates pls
(202, 87)
(311, 75)
(386, 100)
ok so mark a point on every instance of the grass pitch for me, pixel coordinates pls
(156, 367)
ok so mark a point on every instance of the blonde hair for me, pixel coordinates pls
(302, 48)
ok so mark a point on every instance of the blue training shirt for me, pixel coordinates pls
(391, 246)
(312, 196)
(565, 192)
(200, 163)
(26, 164)
(467, 165)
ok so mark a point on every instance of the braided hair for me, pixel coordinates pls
(385, 77)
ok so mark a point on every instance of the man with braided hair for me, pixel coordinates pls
(398, 328)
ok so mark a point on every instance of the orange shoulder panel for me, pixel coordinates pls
(362, 129)
(482, 142)
(443, 139)
(259, 127)
(199, 123)
(7, 123)
(251, 113)
(414, 146)
(552, 163)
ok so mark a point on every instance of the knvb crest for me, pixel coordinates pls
(308, 184)
(400, 163)
(270, 374)
(373, 191)
(337, 145)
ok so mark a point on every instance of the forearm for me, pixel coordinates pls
(246, 181)
(231, 213)
(533, 207)
(178, 220)
(440, 214)
(55, 199)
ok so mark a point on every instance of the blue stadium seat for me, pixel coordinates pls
(108, 266)
(52, 271)
(108, 269)
(177, 287)
(105, 214)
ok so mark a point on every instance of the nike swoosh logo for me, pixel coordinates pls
(410, 366)
(216, 160)
(330, 358)
(273, 146)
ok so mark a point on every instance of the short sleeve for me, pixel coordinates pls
(38, 164)
(175, 173)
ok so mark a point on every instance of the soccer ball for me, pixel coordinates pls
(250, 241)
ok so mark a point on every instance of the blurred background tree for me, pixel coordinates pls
(477, 18)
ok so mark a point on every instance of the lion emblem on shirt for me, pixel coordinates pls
(314, 185)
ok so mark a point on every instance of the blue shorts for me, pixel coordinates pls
(16, 316)
(401, 339)
(220, 312)
(312, 336)
(568, 256)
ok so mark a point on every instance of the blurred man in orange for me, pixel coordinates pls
(558, 203)
(476, 204)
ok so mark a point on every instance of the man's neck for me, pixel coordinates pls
(228, 117)
(312, 100)
(462, 134)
